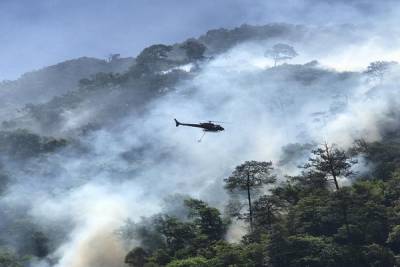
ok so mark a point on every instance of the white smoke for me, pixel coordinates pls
(130, 167)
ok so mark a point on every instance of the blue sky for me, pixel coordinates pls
(37, 33)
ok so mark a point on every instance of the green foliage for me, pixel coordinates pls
(247, 179)
(220, 40)
(300, 222)
(394, 239)
(328, 162)
(159, 257)
(189, 262)
(369, 212)
(151, 59)
(267, 211)
(277, 246)
(22, 144)
(100, 79)
(166, 238)
(177, 235)
(137, 257)
(384, 157)
(378, 256)
(194, 49)
(207, 220)
(224, 254)
(305, 250)
(9, 259)
(289, 192)
(250, 175)
(313, 215)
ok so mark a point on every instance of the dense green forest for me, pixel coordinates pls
(306, 220)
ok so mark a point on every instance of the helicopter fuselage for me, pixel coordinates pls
(206, 126)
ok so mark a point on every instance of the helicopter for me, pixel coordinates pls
(206, 126)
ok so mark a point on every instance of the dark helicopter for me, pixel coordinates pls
(206, 126)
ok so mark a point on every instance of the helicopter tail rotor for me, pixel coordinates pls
(177, 123)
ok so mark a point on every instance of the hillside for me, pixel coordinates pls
(42, 85)
(306, 172)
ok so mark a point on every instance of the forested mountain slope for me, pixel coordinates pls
(305, 173)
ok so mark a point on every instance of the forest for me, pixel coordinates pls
(94, 173)
(307, 220)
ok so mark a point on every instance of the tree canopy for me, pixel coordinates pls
(281, 52)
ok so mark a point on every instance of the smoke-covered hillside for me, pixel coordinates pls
(42, 85)
(90, 153)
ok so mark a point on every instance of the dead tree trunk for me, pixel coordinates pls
(249, 200)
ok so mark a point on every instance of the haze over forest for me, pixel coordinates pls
(94, 172)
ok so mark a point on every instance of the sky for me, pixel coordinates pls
(35, 34)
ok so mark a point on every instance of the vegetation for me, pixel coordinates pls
(9, 259)
(328, 162)
(22, 144)
(377, 70)
(281, 52)
(327, 215)
(247, 178)
(303, 221)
